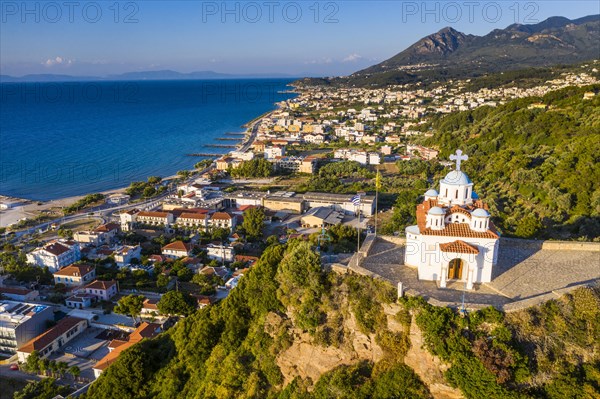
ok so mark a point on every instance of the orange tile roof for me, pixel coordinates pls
(154, 214)
(178, 246)
(458, 209)
(75, 270)
(460, 247)
(451, 229)
(145, 330)
(197, 216)
(56, 248)
(101, 285)
(221, 216)
(459, 230)
(41, 341)
(107, 227)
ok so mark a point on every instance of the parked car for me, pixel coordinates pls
(14, 366)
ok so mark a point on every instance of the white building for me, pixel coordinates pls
(454, 238)
(75, 275)
(274, 152)
(220, 252)
(55, 254)
(126, 253)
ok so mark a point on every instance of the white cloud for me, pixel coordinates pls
(319, 61)
(352, 58)
(57, 61)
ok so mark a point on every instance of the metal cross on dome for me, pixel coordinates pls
(458, 158)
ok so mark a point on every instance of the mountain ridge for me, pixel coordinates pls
(450, 54)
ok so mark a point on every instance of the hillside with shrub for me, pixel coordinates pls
(291, 330)
(535, 161)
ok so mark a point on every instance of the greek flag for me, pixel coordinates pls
(356, 200)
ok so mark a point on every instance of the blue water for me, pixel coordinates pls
(73, 138)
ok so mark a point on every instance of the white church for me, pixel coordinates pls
(454, 239)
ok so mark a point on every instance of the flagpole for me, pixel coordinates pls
(377, 183)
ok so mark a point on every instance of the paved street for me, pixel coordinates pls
(522, 272)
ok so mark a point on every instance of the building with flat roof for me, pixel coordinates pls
(341, 202)
(21, 322)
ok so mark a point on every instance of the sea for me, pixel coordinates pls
(65, 139)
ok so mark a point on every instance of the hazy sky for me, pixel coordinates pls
(292, 37)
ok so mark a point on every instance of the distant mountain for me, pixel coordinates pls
(144, 75)
(449, 54)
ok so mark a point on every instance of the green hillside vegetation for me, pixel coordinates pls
(538, 169)
(229, 350)
(550, 351)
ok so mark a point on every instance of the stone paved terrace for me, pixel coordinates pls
(523, 271)
(526, 271)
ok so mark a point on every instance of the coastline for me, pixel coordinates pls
(29, 208)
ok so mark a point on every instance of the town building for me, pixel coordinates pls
(321, 217)
(342, 202)
(102, 290)
(80, 300)
(102, 235)
(116, 347)
(454, 238)
(154, 218)
(221, 220)
(75, 275)
(20, 322)
(53, 339)
(125, 254)
(220, 252)
(193, 220)
(55, 255)
(19, 294)
(177, 249)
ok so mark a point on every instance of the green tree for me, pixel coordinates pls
(75, 372)
(130, 305)
(44, 389)
(220, 233)
(254, 223)
(162, 281)
(176, 303)
(32, 364)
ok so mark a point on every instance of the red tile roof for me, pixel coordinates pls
(41, 341)
(178, 246)
(197, 216)
(56, 248)
(154, 214)
(220, 216)
(460, 247)
(75, 270)
(107, 227)
(145, 330)
(451, 229)
(101, 285)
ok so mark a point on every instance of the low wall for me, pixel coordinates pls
(552, 245)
